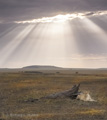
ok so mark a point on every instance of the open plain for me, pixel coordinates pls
(17, 87)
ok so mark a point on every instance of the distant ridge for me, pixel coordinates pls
(52, 68)
(42, 67)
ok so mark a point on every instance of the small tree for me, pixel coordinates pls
(76, 73)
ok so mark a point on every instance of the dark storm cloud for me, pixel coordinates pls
(12, 10)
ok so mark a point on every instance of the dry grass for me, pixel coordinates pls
(15, 88)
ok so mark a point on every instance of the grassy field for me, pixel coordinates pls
(16, 88)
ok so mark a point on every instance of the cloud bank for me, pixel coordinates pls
(63, 18)
(21, 10)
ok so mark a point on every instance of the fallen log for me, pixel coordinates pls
(71, 93)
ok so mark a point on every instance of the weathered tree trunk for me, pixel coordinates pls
(72, 93)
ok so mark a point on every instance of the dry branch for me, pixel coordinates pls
(72, 93)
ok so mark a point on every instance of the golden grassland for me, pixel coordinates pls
(16, 88)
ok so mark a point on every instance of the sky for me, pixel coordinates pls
(64, 33)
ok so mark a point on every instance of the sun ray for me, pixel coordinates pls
(4, 33)
(9, 36)
(59, 40)
(30, 48)
(14, 43)
(96, 30)
(24, 41)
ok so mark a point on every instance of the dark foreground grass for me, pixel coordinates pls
(16, 88)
